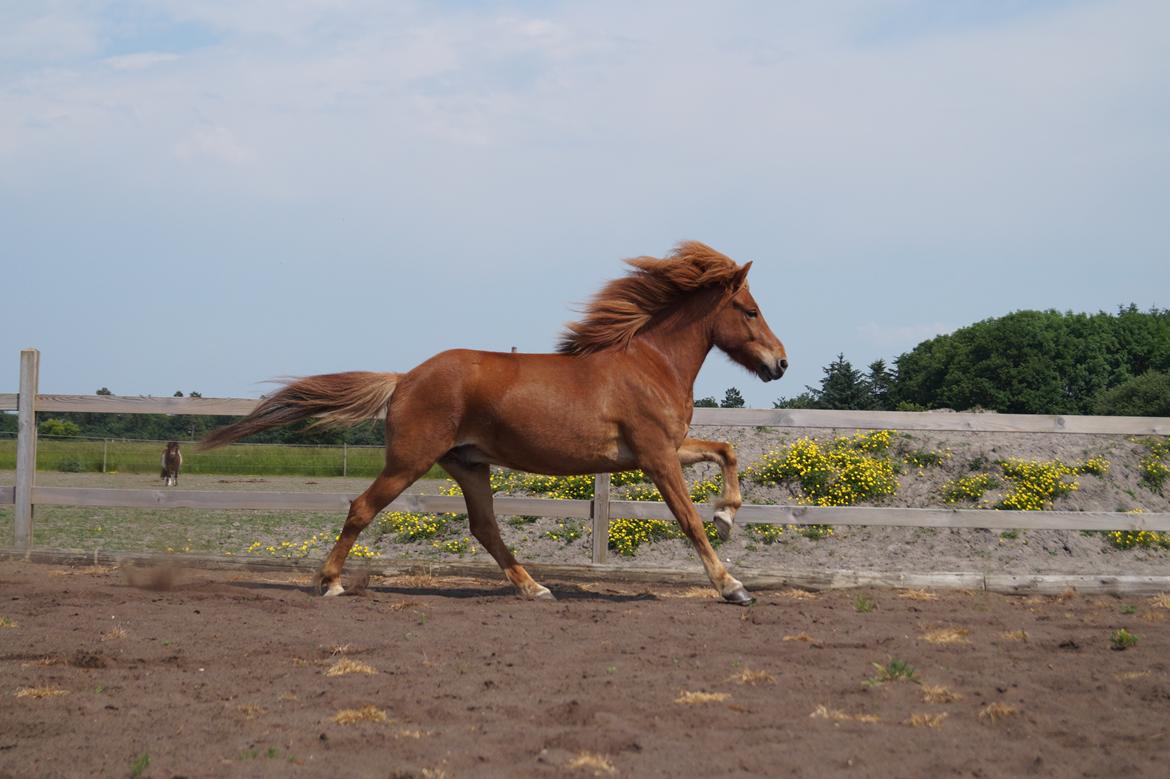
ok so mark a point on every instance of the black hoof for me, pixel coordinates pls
(739, 597)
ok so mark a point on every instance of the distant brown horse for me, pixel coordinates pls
(618, 395)
(172, 460)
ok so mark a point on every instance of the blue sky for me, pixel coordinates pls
(203, 195)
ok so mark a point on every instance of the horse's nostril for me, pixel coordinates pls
(784, 364)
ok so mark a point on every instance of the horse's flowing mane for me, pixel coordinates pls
(624, 306)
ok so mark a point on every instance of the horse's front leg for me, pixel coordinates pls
(694, 450)
(668, 477)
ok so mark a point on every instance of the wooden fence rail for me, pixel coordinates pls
(26, 494)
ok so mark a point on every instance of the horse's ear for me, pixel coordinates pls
(740, 277)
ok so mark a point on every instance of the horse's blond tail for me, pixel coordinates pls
(335, 399)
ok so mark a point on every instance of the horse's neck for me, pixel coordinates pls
(683, 348)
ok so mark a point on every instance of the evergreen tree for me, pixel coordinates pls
(807, 399)
(732, 399)
(707, 402)
(879, 384)
(843, 387)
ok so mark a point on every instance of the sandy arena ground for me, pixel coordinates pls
(163, 673)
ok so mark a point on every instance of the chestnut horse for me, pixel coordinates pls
(617, 395)
(172, 460)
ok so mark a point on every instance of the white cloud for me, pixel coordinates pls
(140, 60)
(214, 143)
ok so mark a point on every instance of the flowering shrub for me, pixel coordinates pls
(768, 534)
(566, 531)
(626, 535)
(1147, 539)
(844, 472)
(968, 488)
(291, 550)
(459, 546)
(1036, 483)
(1098, 466)
(409, 526)
(1154, 470)
(923, 458)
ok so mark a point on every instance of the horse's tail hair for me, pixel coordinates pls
(335, 399)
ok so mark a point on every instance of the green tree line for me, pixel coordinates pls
(1027, 362)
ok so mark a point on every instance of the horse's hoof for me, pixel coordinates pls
(739, 597)
(723, 524)
(333, 590)
(541, 593)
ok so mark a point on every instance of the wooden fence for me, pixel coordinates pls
(26, 494)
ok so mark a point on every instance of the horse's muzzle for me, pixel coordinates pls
(770, 371)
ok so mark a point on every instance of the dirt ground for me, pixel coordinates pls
(163, 673)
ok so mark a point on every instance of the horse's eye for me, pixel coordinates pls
(751, 313)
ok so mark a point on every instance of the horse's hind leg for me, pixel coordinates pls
(695, 450)
(475, 482)
(388, 486)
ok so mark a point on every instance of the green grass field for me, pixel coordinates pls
(80, 455)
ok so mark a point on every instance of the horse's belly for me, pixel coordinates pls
(560, 453)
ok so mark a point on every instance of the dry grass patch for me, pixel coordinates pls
(415, 733)
(5, 622)
(346, 666)
(364, 714)
(40, 692)
(836, 715)
(114, 634)
(85, 570)
(701, 593)
(43, 662)
(938, 694)
(798, 595)
(801, 636)
(1129, 676)
(1161, 600)
(946, 636)
(251, 710)
(1014, 635)
(591, 761)
(748, 676)
(926, 720)
(687, 698)
(994, 712)
(917, 595)
(419, 581)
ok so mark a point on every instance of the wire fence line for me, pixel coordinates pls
(91, 454)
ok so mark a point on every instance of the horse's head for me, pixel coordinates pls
(740, 331)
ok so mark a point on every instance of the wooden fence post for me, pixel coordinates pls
(599, 510)
(26, 447)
